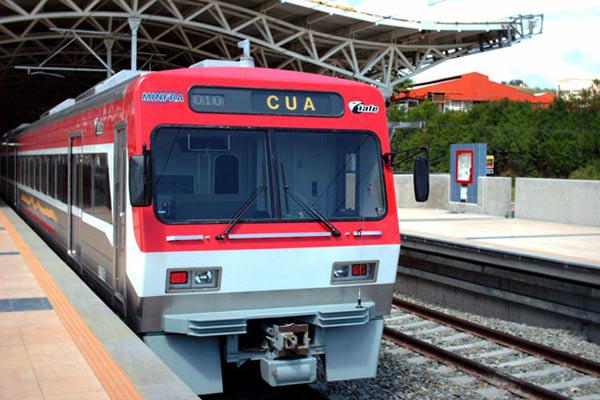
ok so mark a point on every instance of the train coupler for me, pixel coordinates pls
(286, 340)
(287, 360)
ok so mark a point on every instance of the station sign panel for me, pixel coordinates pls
(464, 167)
(265, 102)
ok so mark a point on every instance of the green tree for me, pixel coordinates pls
(560, 141)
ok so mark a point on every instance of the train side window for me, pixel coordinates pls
(86, 182)
(31, 172)
(227, 174)
(62, 173)
(10, 168)
(28, 167)
(101, 188)
(53, 162)
(44, 174)
(38, 173)
(34, 172)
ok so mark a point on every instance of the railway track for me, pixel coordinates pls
(522, 367)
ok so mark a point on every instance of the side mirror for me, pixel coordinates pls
(139, 181)
(421, 179)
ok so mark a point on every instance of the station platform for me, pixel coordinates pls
(534, 272)
(573, 244)
(58, 340)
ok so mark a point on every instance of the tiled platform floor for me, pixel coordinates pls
(38, 357)
(571, 242)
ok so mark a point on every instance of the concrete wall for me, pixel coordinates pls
(569, 201)
(494, 195)
(439, 185)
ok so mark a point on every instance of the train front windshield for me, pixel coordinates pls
(207, 175)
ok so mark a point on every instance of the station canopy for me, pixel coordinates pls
(54, 49)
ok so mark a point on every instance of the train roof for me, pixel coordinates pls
(265, 75)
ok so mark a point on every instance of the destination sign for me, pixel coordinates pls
(265, 102)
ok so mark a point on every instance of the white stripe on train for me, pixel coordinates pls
(257, 270)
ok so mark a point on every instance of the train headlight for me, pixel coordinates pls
(354, 272)
(204, 278)
(340, 271)
(200, 279)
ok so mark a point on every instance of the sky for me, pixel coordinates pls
(569, 46)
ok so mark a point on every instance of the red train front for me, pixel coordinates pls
(251, 215)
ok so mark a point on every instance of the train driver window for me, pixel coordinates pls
(339, 175)
(208, 174)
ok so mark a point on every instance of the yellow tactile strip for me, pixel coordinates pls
(114, 380)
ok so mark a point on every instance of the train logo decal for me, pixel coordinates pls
(358, 107)
(36, 205)
(162, 97)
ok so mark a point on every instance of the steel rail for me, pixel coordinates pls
(553, 355)
(471, 367)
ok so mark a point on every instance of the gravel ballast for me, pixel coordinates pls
(556, 338)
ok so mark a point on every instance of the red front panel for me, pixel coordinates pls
(151, 233)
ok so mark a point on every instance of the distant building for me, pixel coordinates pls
(461, 92)
(573, 87)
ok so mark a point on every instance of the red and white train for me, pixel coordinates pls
(229, 214)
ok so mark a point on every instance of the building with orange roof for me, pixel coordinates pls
(462, 91)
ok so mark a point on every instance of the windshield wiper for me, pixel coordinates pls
(304, 203)
(240, 212)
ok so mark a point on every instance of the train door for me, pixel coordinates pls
(75, 196)
(120, 207)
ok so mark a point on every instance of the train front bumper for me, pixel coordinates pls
(346, 335)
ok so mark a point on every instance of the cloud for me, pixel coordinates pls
(568, 47)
